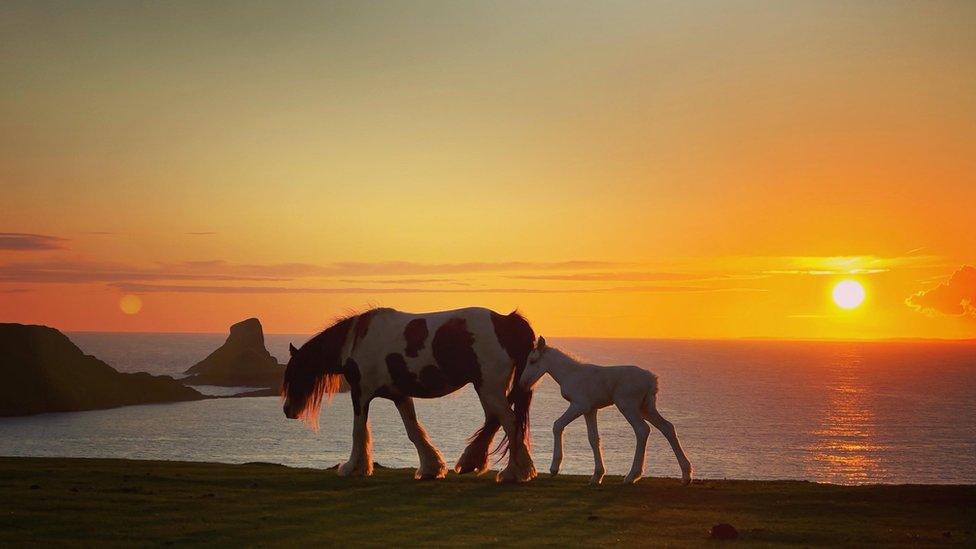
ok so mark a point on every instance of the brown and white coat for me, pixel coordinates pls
(399, 356)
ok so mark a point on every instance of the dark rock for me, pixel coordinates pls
(43, 371)
(242, 361)
(35, 487)
(723, 531)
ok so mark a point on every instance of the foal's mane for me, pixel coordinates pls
(563, 354)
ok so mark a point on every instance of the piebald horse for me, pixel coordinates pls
(399, 356)
(588, 388)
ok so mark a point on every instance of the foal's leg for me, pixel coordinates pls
(594, 436)
(667, 429)
(361, 457)
(558, 426)
(632, 411)
(432, 464)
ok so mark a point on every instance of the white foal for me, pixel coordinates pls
(588, 388)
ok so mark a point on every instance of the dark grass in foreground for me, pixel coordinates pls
(95, 502)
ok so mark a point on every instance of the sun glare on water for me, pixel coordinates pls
(848, 294)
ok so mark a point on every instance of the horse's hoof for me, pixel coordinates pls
(470, 463)
(468, 467)
(596, 480)
(506, 477)
(631, 479)
(347, 470)
(431, 474)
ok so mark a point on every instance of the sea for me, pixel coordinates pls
(834, 412)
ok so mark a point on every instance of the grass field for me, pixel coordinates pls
(120, 502)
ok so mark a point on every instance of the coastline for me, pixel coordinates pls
(64, 500)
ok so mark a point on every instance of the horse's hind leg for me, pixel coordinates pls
(520, 467)
(641, 430)
(475, 456)
(432, 464)
(667, 429)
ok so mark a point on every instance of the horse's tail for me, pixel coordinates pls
(517, 337)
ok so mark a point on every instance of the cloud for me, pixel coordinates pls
(26, 242)
(79, 272)
(216, 270)
(208, 289)
(618, 276)
(955, 297)
(404, 281)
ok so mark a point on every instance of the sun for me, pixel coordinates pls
(848, 294)
(130, 304)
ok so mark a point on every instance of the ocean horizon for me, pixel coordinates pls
(845, 412)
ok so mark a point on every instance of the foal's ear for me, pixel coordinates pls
(292, 350)
(541, 343)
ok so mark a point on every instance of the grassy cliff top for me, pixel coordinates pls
(94, 502)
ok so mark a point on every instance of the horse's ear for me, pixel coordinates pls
(292, 350)
(541, 343)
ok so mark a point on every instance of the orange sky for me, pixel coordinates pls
(635, 170)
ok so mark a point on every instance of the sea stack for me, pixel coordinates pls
(43, 371)
(242, 361)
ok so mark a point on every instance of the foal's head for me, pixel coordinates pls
(535, 366)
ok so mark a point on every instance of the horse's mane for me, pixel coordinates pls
(319, 376)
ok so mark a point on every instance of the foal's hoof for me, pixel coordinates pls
(596, 480)
(631, 478)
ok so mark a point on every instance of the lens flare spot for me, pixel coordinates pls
(848, 294)
(130, 304)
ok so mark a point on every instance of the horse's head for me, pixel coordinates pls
(300, 377)
(307, 380)
(535, 366)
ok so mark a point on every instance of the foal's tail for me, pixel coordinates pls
(650, 398)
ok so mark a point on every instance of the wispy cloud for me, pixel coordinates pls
(615, 276)
(26, 242)
(75, 272)
(208, 289)
(404, 281)
(70, 271)
(957, 296)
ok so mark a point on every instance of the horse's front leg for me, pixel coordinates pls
(361, 457)
(558, 426)
(432, 465)
(594, 435)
